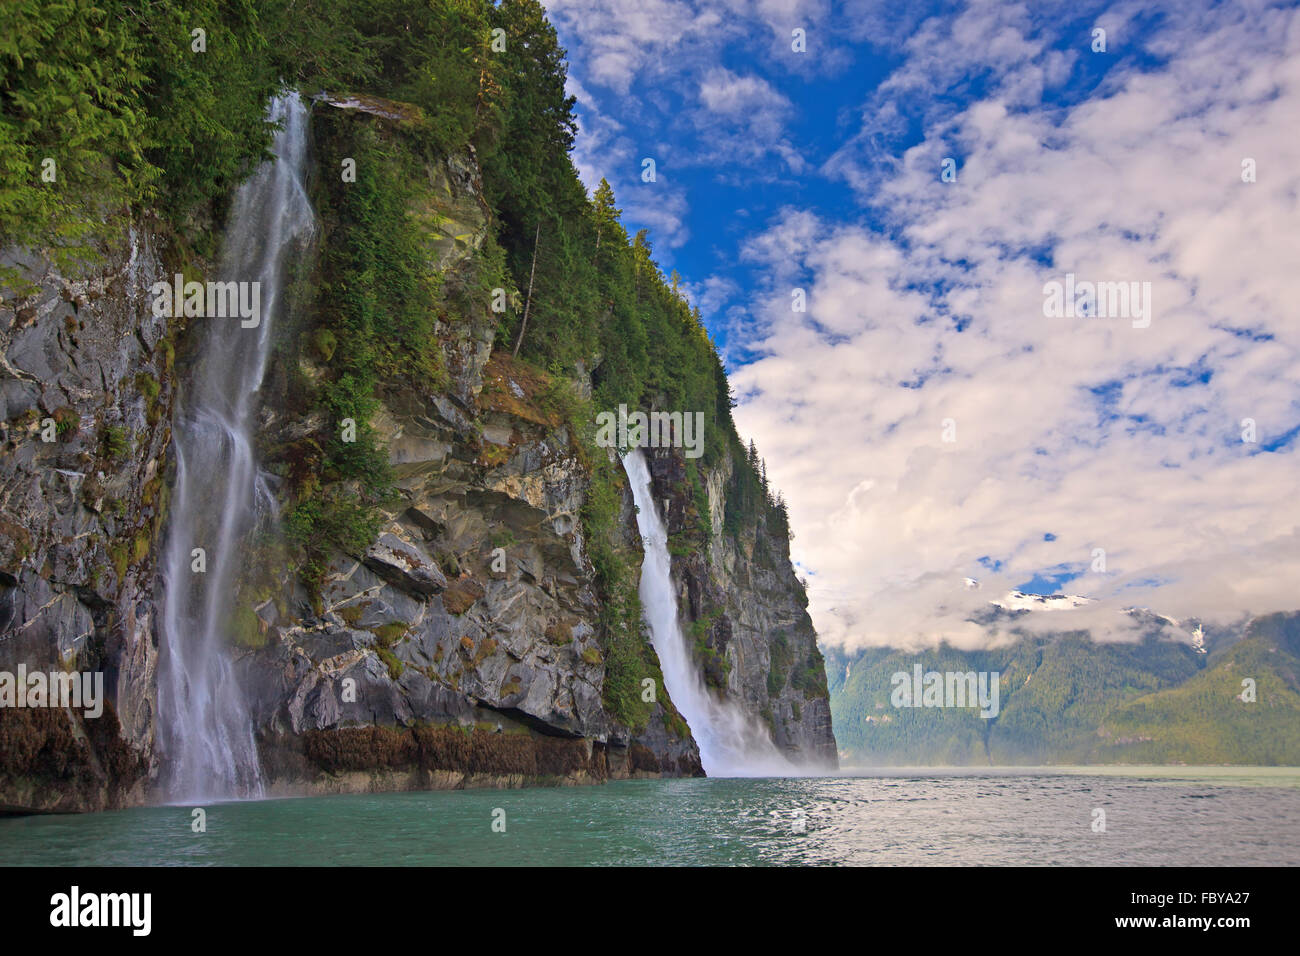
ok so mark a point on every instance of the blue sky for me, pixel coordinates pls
(820, 170)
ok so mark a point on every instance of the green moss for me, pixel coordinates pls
(114, 442)
(782, 659)
(148, 387)
(324, 343)
(152, 491)
(389, 634)
(485, 650)
(395, 667)
(713, 662)
(140, 544)
(119, 555)
(676, 726)
(246, 629)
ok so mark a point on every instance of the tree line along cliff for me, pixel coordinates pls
(473, 424)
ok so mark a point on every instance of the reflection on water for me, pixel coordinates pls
(1154, 816)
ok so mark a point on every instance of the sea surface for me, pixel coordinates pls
(1038, 817)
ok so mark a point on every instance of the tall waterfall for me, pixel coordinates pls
(219, 497)
(732, 743)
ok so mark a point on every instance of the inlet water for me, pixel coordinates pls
(218, 497)
(732, 743)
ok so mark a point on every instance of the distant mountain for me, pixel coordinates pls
(1174, 696)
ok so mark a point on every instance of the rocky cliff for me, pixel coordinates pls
(471, 640)
(747, 614)
(86, 382)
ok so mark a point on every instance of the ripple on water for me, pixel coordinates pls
(949, 818)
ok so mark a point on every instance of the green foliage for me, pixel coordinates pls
(389, 634)
(114, 442)
(115, 93)
(781, 659)
(323, 344)
(628, 656)
(435, 55)
(712, 661)
(71, 90)
(135, 118)
(809, 678)
(67, 421)
(375, 327)
(148, 386)
(377, 300)
(1065, 699)
(206, 127)
(335, 520)
(120, 556)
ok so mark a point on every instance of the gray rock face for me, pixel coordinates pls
(84, 362)
(474, 607)
(752, 610)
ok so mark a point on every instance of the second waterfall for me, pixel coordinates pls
(732, 743)
(219, 498)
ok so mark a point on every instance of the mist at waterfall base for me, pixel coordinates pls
(732, 743)
(218, 497)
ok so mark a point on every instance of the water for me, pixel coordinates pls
(732, 743)
(218, 497)
(1238, 816)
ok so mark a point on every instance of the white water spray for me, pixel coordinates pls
(218, 497)
(732, 743)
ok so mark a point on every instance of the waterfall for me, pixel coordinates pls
(732, 743)
(218, 497)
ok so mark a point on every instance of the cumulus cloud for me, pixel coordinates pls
(925, 320)
(727, 94)
(655, 65)
(622, 39)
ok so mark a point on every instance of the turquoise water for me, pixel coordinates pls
(1160, 816)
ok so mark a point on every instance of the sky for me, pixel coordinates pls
(924, 173)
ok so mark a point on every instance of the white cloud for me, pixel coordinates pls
(623, 39)
(1142, 183)
(742, 97)
(711, 294)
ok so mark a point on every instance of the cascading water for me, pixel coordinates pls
(219, 497)
(732, 744)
